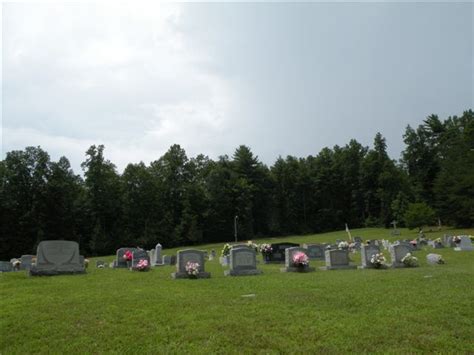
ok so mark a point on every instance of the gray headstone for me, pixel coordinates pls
(397, 253)
(120, 262)
(55, 257)
(337, 259)
(465, 245)
(6, 266)
(289, 266)
(139, 254)
(315, 251)
(156, 259)
(26, 261)
(166, 259)
(366, 252)
(190, 255)
(243, 262)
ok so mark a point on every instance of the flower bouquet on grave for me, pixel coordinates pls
(300, 260)
(142, 265)
(16, 264)
(410, 260)
(192, 269)
(266, 250)
(226, 250)
(378, 260)
(343, 245)
(252, 245)
(457, 239)
(127, 256)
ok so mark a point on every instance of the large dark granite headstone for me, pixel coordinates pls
(277, 256)
(56, 257)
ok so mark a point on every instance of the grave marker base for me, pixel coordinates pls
(242, 272)
(184, 275)
(298, 269)
(338, 267)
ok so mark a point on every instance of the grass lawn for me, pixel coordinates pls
(425, 309)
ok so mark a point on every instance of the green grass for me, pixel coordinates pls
(426, 309)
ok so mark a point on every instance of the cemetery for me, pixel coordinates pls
(202, 307)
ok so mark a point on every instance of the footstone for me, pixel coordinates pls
(290, 266)
(56, 257)
(190, 255)
(337, 259)
(314, 251)
(366, 252)
(243, 262)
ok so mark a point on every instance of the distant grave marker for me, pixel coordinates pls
(289, 264)
(337, 259)
(315, 251)
(243, 262)
(191, 256)
(277, 256)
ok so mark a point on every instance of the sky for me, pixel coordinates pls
(281, 78)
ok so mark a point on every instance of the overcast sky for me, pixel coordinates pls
(284, 79)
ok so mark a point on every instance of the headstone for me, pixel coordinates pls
(156, 259)
(166, 260)
(243, 262)
(448, 241)
(277, 256)
(465, 245)
(397, 253)
(337, 259)
(314, 251)
(190, 255)
(289, 265)
(26, 262)
(366, 252)
(56, 257)
(433, 259)
(120, 262)
(137, 255)
(6, 266)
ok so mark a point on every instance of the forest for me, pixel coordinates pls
(180, 200)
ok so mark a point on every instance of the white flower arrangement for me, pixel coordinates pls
(252, 245)
(343, 245)
(410, 260)
(378, 260)
(265, 248)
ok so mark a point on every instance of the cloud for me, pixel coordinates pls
(115, 74)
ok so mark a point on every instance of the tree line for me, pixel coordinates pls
(178, 200)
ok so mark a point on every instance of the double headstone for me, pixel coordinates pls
(397, 253)
(315, 251)
(120, 262)
(243, 262)
(366, 252)
(465, 244)
(290, 265)
(190, 256)
(337, 259)
(277, 256)
(56, 257)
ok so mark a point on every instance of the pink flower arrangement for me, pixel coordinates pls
(142, 265)
(192, 269)
(128, 255)
(300, 259)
